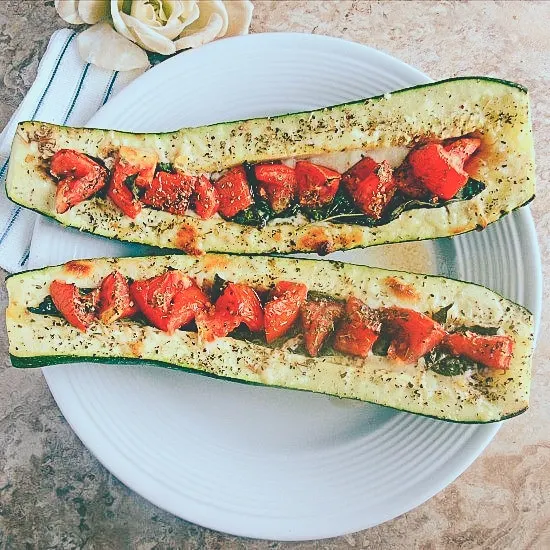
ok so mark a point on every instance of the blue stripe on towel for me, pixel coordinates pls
(14, 213)
(54, 72)
(75, 97)
(25, 256)
(110, 88)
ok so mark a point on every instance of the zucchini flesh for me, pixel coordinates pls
(493, 110)
(39, 340)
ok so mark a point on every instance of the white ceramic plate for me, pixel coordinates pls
(264, 462)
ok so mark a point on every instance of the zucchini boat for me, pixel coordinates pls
(381, 170)
(424, 344)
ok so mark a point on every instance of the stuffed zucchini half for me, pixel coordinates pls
(424, 344)
(425, 162)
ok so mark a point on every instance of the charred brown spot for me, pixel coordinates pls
(482, 224)
(460, 229)
(401, 290)
(317, 240)
(256, 369)
(79, 268)
(211, 263)
(136, 348)
(186, 240)
(351, 238)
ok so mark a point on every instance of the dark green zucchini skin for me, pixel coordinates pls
(36, 362)
(495, 110)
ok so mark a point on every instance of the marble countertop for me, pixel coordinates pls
(55, 494)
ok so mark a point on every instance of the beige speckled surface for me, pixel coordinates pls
(54, 494)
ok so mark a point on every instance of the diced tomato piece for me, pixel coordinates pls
(413, 334)
(121, 195)
(170, 192)
(242, 302)
(81, 177)
(78, 309)
(276, 182)
(212, 324)
(358, 330)
(283, 308)
(130, 162)
(316, 185)
(141, 163)
(371, 185)
(114, 299)
(205, 198)
(440, 172)
(318, 321)
(169, 301)
(187, 303)
(233, 192)
(408, 184)
(67, 162)
(463, 148)
(494, 352)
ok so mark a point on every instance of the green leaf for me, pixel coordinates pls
(482, 331)
(382, 344)
(470, 190)
(341, 204)
(257, 214)
(440, 316)
(165, 167)
(46, 307)
(130, 182)
(442, 362)
(218, 287)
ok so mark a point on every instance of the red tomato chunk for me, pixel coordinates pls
(318, 321)
(440, 169)
(242, 302)
(233, 192)
(277, 183)
(358, 330)
(316, 185)
(212, 324)
(283, 308)
(80, 177)
(371, 186)
(170, 192)
(414, 334)
(463, 148)
(205, 198)
(114, 299)
(238, 304)
(169, 301)
(130, 162)
(494, 352)
(78, 309)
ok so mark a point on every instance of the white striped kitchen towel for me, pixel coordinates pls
(66, 91)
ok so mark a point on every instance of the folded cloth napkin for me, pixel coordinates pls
(69, 91)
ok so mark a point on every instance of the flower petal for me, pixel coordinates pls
(169, 28)
(191, 12)
(207, 9)
(68, 11)
(148, 37)
(201, 36)
(144, 11)
(240, 16)
(119, 24)
(93, 11)
(107, 49)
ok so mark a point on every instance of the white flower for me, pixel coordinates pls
(162, 26)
